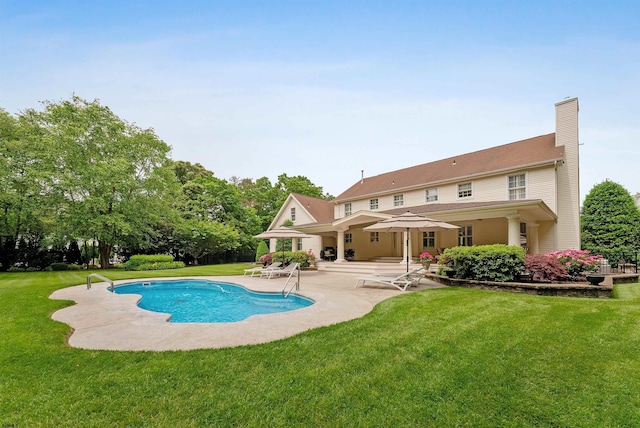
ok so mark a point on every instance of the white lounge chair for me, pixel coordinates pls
(287, 270)
(402, 282)
(256, 270)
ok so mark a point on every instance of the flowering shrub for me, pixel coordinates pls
(265, 259)
(426, 255)
(576, 262)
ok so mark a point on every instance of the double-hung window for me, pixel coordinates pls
(293, 214)
(374, 237)
(517, 187)
(431, 195)
(428, 239)
(373, 204)
(398, 200)
(347, 209)
(464, 190)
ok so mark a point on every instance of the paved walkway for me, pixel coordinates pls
(103, 320)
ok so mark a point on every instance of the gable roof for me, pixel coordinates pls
(533, 151)
(320, 209)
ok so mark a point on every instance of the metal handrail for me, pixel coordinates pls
(286, 293)
(97, 275)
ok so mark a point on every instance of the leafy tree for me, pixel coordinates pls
(23, 201)
(186, 171)
(111, 178)
(299, 184)
(267, 199)
(610, 221)
(211, 199)
(202, 237)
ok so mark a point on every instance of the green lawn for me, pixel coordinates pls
(444, 357)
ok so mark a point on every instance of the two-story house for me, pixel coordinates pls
(523, 193)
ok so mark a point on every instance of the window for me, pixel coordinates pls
(428, 239)
(293, 214)
(465, 236)
(431, 195)
(517, 187)
(398, 200)
(347, 209)
(348, 238)
(523, 234)
(373, 237)
(299, 245)
(373, 204)
(464, 190)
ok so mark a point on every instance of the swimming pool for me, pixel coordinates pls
(197, 300)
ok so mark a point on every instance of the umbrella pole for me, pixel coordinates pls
(407, 250)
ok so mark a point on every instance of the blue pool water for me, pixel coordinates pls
(208, 301)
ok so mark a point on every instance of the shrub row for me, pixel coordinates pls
(138, 260)
(51, 267)
(159, 266)
(290, 257)
(497, 262)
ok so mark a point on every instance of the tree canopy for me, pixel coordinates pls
(74, 173)
(110, 178)
(610, 221)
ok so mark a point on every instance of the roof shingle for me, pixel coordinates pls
(320, 209)
(532, 151)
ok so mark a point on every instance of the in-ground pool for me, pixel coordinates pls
(196, 300)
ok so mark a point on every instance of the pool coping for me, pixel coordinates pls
(102, 320)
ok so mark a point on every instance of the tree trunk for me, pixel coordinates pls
(105, 253)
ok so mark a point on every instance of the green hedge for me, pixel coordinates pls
(291, 257)
(58, 266)
(160, 266)
(487, 262)
(261, 250)
(150, 262)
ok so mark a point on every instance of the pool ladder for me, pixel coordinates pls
(97, 275)
(295, 285)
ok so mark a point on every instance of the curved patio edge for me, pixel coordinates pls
(102, 320)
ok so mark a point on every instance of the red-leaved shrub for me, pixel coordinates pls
(545, 268)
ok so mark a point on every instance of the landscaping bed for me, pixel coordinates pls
(573, 289)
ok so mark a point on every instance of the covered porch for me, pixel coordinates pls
(530, 224)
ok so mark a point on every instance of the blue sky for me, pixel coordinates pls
(327, 89)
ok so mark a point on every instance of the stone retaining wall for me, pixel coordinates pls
(604, 291)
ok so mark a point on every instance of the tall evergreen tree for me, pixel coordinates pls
(610, 222)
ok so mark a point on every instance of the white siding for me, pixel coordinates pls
(541, 185)
(568, 198)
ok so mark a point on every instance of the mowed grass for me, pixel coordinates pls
(444, 357)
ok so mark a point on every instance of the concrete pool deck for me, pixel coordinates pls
(107, 321)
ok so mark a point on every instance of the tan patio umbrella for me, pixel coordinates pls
(409, 222)
(282, 232)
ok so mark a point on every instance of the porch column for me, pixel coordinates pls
(273, 245)
(294, 244)
(513, 230)
(340, 255)
(532, 229)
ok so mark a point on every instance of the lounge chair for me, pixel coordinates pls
(287, 270)
(256, 270)
(402, 282)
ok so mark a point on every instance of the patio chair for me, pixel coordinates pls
(256, 270)
(402, 282)
(287, 270)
